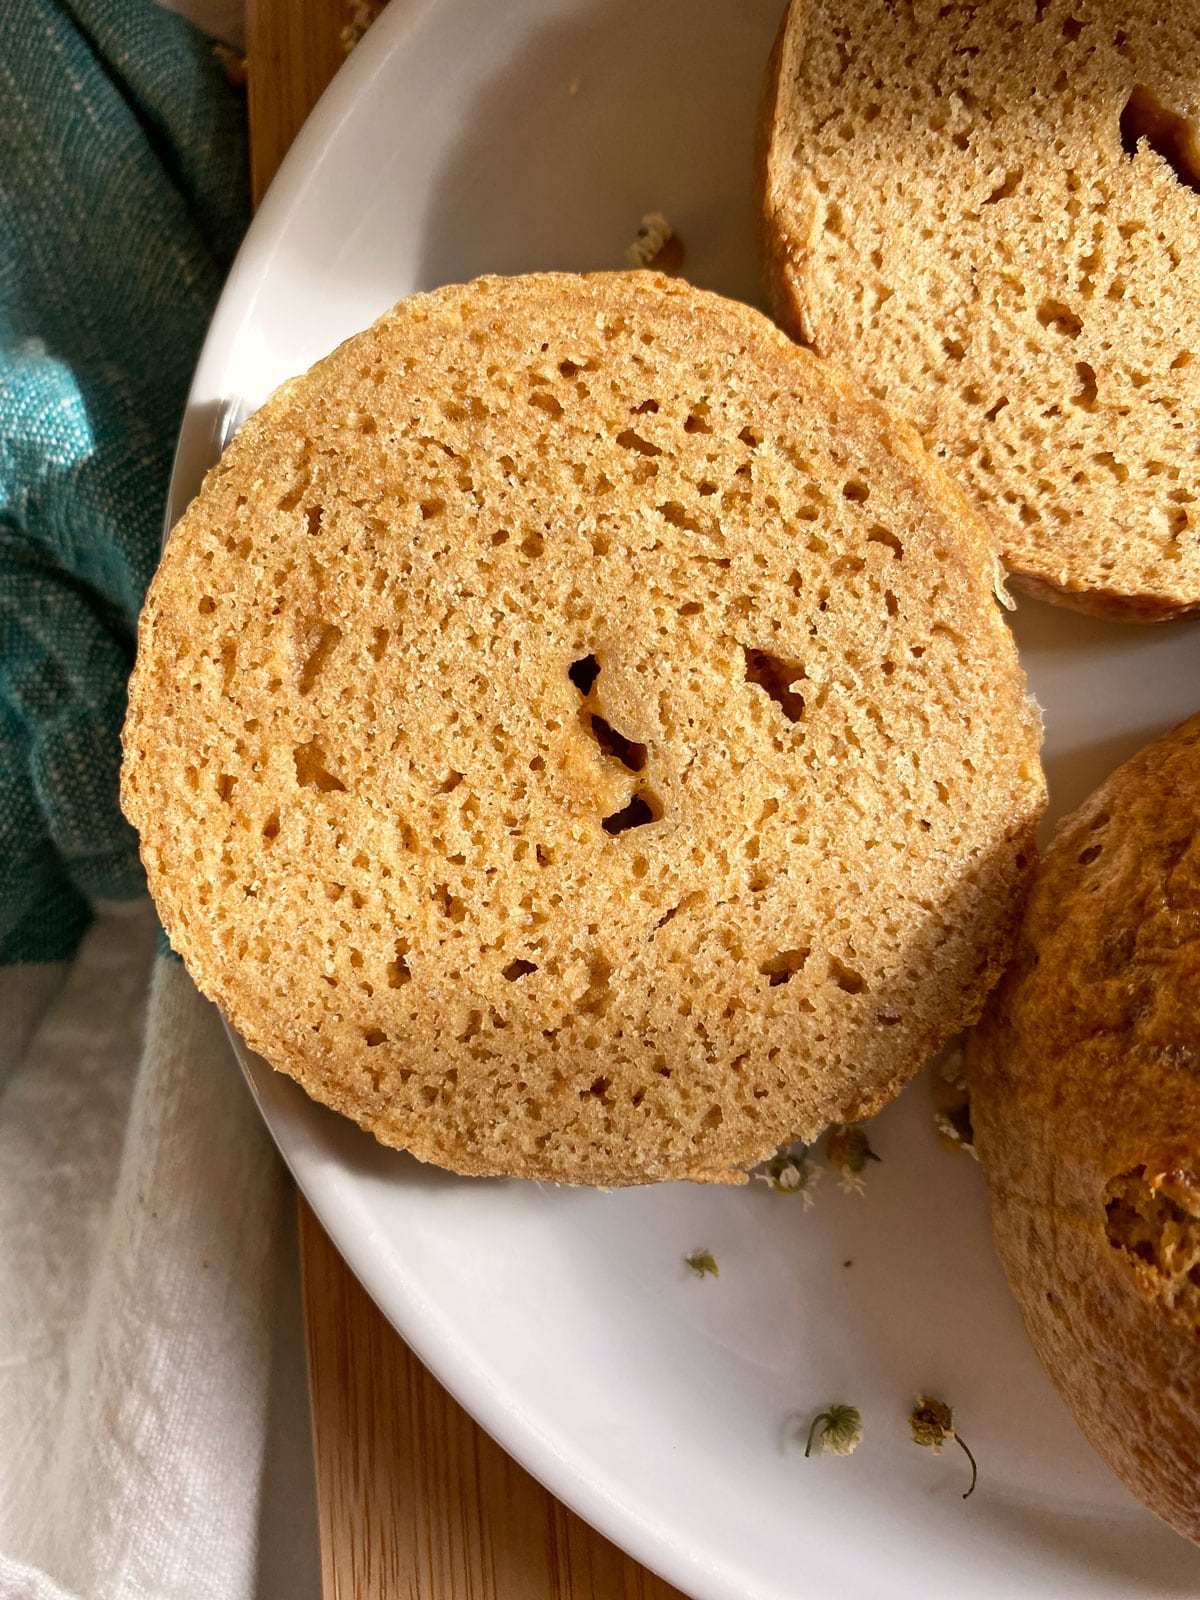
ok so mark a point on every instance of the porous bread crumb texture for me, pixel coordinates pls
(575, 736)
(1085, 1101)
(990, 211)
(1155, 1220)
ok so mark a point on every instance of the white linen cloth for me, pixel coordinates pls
(139, 1212)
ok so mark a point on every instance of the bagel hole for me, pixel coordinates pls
(627, 751)
(583, 673)
(642, 809)
(775, 677)
(1171, 136)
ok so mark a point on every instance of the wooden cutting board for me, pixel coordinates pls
(415, 1502)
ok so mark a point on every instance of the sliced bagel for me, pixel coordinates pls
(574, 734)
(990, 211)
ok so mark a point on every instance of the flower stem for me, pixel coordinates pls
(974, 1468)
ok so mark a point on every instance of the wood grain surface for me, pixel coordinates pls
(415, 1502)
(414, 1499)
(293, 48)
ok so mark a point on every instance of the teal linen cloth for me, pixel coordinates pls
(123, 194)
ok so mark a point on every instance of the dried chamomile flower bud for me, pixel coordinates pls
(847, 1149)
(838, 1430)
(702, 1263)
(932, 1423)
(951, 1101)
(362, 14)
(657, 245)
(791, 1172)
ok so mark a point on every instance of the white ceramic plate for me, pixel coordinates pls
(466, 137)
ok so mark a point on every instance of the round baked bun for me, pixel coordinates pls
(1085, 1099)
(991, 210)
(575, 735)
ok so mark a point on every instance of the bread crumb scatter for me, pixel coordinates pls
(598, 791)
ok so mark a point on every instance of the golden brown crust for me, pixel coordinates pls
(522, 556)
(946, 206)
(772, 214)
(1085, 1097)
(1099, 602)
